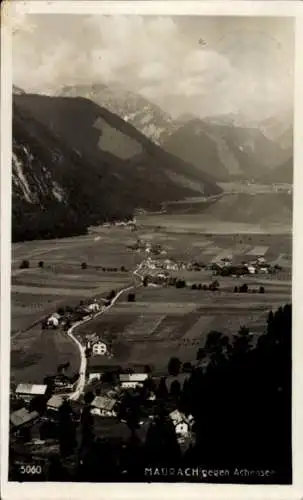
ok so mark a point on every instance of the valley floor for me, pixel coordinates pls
(163, 321)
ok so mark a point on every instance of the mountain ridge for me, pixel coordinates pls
(100, 166)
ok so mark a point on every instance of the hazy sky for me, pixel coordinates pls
(245, 65)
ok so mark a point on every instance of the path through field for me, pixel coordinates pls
(83, 363)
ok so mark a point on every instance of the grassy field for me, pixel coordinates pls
(166, 321)
(163, 321)
(37, 353)
(36, 292)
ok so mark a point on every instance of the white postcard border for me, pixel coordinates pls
(151, 491)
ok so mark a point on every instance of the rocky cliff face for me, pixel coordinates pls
(76, 164)
(145, 116)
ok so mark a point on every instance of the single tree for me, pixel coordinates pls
(87, 428)
(83, 265)
(67, 432)
(174, 366)
(200, 354)
(111, 295)
(41, 264)
(24, 264)
(242, 343)
(38, 404)
(131, 297)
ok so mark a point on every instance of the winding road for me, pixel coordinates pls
(83, 361)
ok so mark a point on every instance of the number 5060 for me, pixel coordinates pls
(30, 469)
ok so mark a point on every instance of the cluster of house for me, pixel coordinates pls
(80, 312)
(224, 267)
(105, 405)
(147, 247)
(129, 223)
(160, 265)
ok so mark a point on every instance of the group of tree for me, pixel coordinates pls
(54, 221)
(112, 294)
(244, 289)
(123, 269)
(25, 264)
(214, 286)
(180, 283)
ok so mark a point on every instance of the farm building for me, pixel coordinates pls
(264, 270)
(54, 402)
(103, 406)
(170, 265)
(62, 383)
(28, 391)
(251, 269)
(23, 418)
(92, 308)
(99, 348)
(132, 380)
(94, 376)
(181, 422)
(53, 321)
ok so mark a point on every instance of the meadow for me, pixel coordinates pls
(165, 322)
(162, 322)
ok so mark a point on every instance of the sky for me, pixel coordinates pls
(203, 65)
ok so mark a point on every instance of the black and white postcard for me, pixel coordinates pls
(150, 231)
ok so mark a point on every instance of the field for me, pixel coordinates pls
(37, 353)
(163, 321)
(36, 292)
(166, 321)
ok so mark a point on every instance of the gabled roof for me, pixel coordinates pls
(22, 416)
(133, 377)
(104, 403)
(34, 389)
(177, 417)
(55, 401)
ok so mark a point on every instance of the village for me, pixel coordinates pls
(38, 411)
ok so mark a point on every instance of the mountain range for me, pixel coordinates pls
(77, 164)
(220, 146)
(133, 108)
(228, 152)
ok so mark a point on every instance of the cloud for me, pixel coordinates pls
(159, 58)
